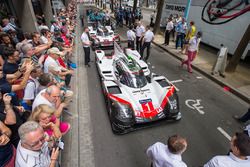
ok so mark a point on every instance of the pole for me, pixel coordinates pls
(234, 61)
(187, 9)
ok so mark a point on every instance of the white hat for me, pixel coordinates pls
(55, 50)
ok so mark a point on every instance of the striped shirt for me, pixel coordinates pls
(29, 158)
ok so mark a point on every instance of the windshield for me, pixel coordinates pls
(103, 33)
(134, 80)
(131, 64)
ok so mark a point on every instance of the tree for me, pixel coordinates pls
(231, 67)
(112, 5)
(158, 16)
(135, 5)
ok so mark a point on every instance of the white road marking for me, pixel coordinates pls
(224, 133)
(153, 67)
(176, 81)
(173, 85)
(195, 105)
(199, 77)
(176, 88)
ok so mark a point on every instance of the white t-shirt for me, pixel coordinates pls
(29, 158)
(194, 43)
(31, 88)
(85, 39)
(51, 63)
(227, 161)
(149, 35)
(161, 157)
(131, 35)
(139, 30)
(43, 40)
(170, 26)
(40, 99)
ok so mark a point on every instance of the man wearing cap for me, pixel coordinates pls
(51, 65)
(86, 46)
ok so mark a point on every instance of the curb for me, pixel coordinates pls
(149, 9)
(222, 84)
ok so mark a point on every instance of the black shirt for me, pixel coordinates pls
(6, 153)
(10, 68)
(14, 128)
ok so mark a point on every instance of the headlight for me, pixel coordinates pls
(173, 105)
(123, 111)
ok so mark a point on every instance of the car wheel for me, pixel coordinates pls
(116, 130)
(178, 117)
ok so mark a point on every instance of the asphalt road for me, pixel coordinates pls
(204, 132)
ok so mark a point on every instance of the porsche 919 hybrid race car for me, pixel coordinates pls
(102, 36)
(133, 96)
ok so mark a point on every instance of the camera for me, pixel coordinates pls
(58, 144)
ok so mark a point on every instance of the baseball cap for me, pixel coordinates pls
(55, 50)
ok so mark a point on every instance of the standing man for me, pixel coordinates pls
(152, 19)
(86, 46)
(192, 50)
(181, 28)
(148, 38)
(162, 155)
(239, 155)
(140, 29)
(131, 37)
(169, 28)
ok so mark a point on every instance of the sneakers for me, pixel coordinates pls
(237, 118)
(87, 65)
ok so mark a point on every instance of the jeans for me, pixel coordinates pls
(138, 44)
(180, 38)
(145, 45)
(131, 44)
(86, 55)
(191, 55)
(246, 116)
(167, 36)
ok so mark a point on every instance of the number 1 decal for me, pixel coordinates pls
(148, 106)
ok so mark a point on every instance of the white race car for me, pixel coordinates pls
(103, 37)
(133, 98)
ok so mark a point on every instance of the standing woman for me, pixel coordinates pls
(192, 50)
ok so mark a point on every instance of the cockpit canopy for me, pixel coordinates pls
(104, 32)
(129, 73)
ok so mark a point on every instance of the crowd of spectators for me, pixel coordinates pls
(35, 74)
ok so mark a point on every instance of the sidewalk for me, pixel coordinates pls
(237, 83)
